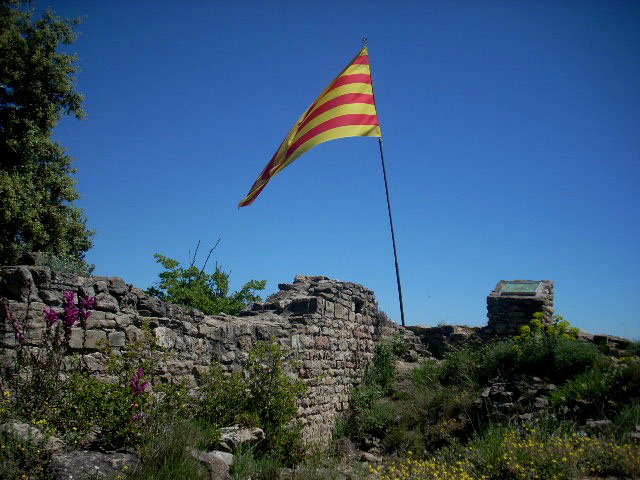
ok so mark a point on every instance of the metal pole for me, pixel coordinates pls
(393, 237)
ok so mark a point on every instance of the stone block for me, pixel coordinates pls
(117, 287)
(106, 302)
(303, 305)
(117, 339)
(94, 338)
(133, 334)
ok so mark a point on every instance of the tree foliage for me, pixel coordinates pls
(193, 287)
(37, 89)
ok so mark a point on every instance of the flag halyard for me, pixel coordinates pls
(346, 108)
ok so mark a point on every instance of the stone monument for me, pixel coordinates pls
(513, 303)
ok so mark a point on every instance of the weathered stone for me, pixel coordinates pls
(232, 437)
(128, 303)
(94, 338)
(133, 334)
(150, 307)
(52, 297)
(219, 463)
(17, 284)
(165, 337)
(304, 305)
(541, 402)
(117, 287)
(369, 458)
(117, 339)
(106, 302)
(599, 424)
(31, 435)
(95, 362)
(84, 465)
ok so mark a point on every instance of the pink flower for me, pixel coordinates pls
(70, 310)
(50, 316)
(137, 387)
(86, 305)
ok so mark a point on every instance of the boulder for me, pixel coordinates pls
(85, 465)
(29, 434)
(219, 463)
(233, 436)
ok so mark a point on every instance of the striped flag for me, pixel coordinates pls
(345, 109)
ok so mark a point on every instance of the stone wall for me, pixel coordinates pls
(332, 327)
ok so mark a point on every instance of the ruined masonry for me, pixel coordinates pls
(332, 327)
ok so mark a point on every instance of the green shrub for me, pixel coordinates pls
(601, 391)
(94, 406)
(194, 288)
(247, 466)
(510, 452)
(627, 418)
(223, 397)
(363, 398)
(554, 349)
(265, 395)
(401, 438)
(20, 459)
(65, 263)
(425, 374)
(174, 398)
(572, 357)
(399, 346)
(272, 398)
(164, 451)
(460, 367)
(381, 370)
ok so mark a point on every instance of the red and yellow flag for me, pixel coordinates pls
(346, 108)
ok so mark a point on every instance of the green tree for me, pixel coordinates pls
(37, 89)
(192, 287)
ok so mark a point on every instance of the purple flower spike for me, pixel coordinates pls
(69, 297)
(71, 312)
(86, 305)
(50, 316)
(70, 315)
(87, 302)
(137, 387)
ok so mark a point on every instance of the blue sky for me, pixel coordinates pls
(511, 134)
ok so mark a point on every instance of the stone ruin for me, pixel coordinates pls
(331, 326)
(512, 304)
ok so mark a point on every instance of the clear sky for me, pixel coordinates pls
(511, 133)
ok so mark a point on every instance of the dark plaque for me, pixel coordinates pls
(520, 288)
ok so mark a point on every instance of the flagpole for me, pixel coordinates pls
(393, 237)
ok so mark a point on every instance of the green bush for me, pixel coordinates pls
(65, 263)
(370, 415)
(164, 451)
(20, 459)
(571, 357)
(601, 391)
(223, 397)
(265, 395)
(554, 349)
(626, 419)
(272, 398)
(381, 370)
(92, 406)
(194, 288)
